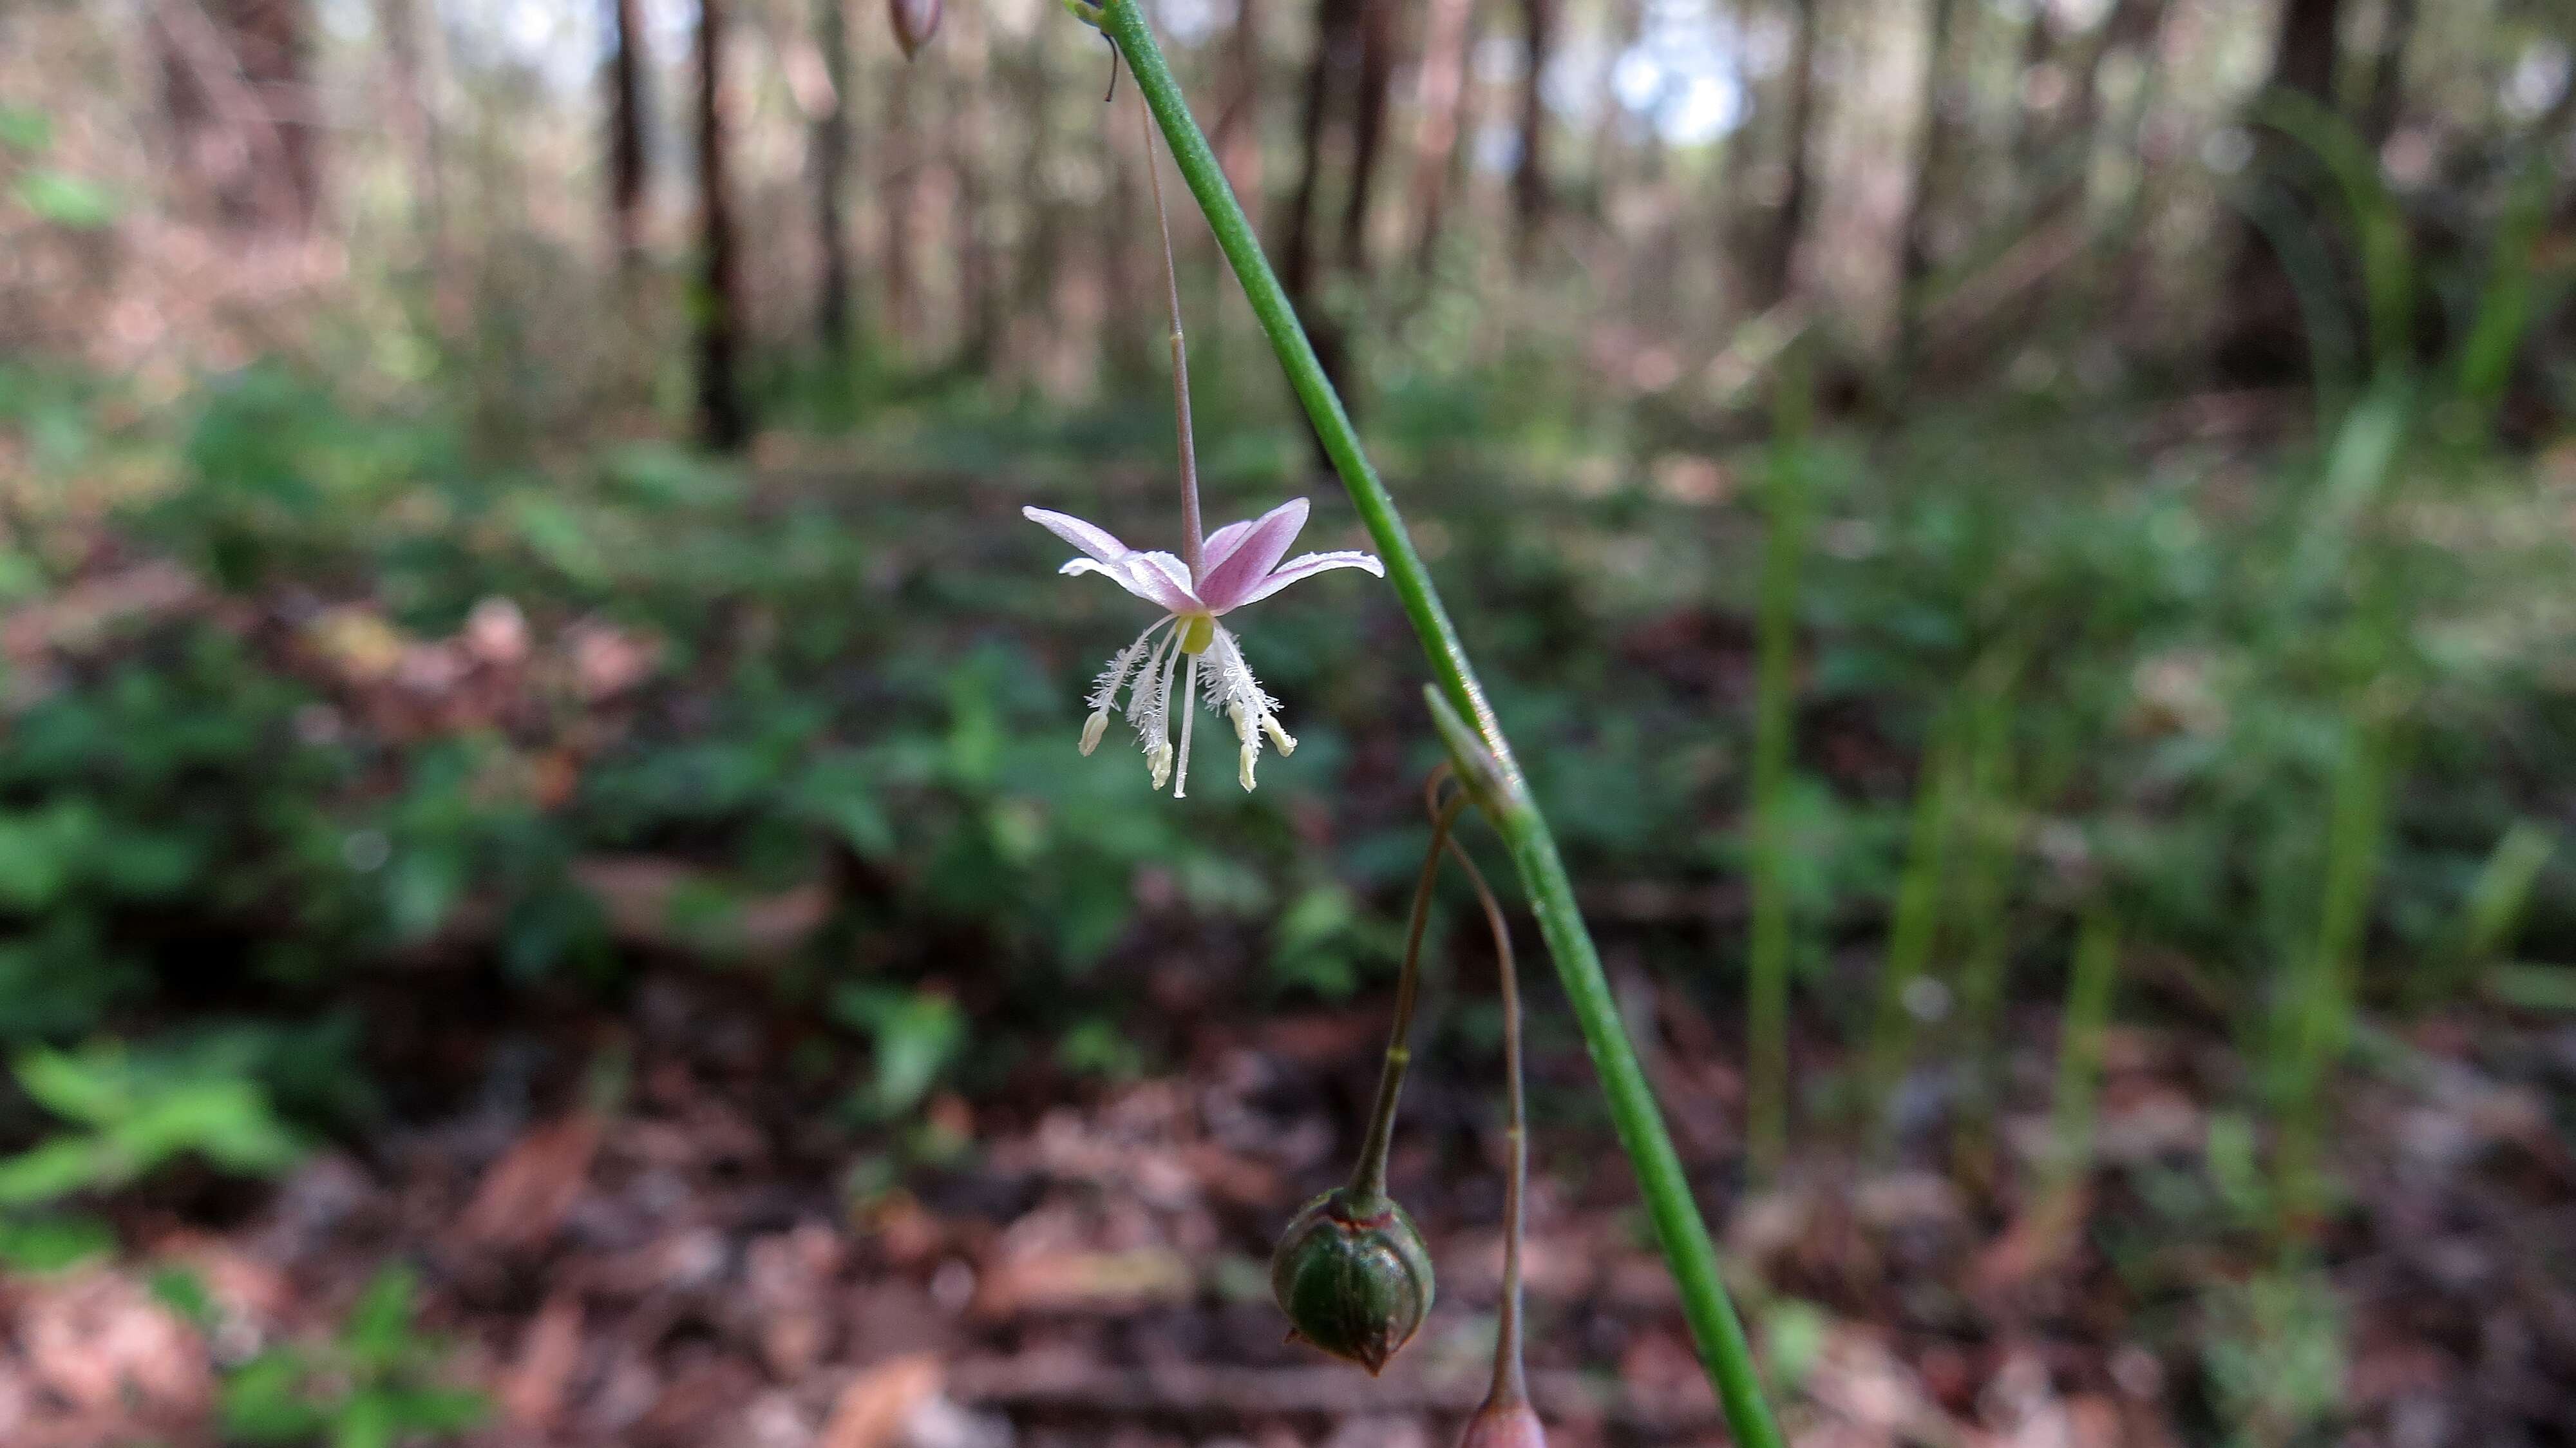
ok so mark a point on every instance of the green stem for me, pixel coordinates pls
(1910, 933)
(1766, 980)
(2095, 971)
(1660, 1178)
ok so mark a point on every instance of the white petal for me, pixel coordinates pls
(1146, 575)
(1306, 567)
(1091, 538)
(1174, 575)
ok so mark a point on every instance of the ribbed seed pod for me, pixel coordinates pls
(1352, 1275)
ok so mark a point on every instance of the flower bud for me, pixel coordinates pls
(1504, 1424)
(1352, 1275)
(915, 21)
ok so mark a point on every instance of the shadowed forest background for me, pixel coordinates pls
(548, 893)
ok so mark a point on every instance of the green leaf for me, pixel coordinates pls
(66, 200)
(182, 1291)
(38, 1245)
(57, 1168)
(264, 1401)
(24, 128)
(379, 1334)
(916, 1034)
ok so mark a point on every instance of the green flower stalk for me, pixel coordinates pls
(1487, 766)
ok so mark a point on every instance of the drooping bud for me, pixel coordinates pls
(1352, 1275)
(1504, 1423)
(915, 21)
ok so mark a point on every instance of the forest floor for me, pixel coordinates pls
(684, 1249)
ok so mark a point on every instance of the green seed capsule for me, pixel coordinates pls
(1353, 1277)
(1501, 1424)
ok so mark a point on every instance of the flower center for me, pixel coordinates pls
(1198, 630)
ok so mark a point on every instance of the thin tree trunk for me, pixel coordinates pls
(1336, 53)
(2387, 102)
(416, 128)
(1332, 74)
(2040, 45)
(898, 190)
(626, 158)
(1237, 136)
(722, 423)
(240, 111)
(1440, 97)
(1777, 258)
(1529, 179)
(1368, 128)
(831, 180)
(2262, 339)
(979, 301)
(1933, 142)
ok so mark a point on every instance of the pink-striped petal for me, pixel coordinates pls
(1306, 566)
(1229, 584)
(1220, 545)
(1091, 538)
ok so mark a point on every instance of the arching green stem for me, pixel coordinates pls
(1660, 1177)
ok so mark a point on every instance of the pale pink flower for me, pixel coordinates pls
(1238, 565)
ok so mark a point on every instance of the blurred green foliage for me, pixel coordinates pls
(375, 1383)
(857, 677)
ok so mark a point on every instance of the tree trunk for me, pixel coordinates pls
(2387, 103)
(722, 423)
(241, 113)
(980, 303)
(1529, 179)
(898, 189)
(1441, 97)
(1777, 258)
(831, 181)
(626, 157)
(1333, 73)
(1934, 139)
(1237, 135)
(407, 92)
(1368, 128)
(2262, 338)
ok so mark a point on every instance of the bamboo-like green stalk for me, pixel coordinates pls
(1660, 1177)
(1910, 933)
(1766, 977)
(2489, 917)
(1984, 894)
(2079, 1057)
(2316, 1020)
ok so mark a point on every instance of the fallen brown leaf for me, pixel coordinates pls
(526, 1194)
(872, 1410)
(532, 1393)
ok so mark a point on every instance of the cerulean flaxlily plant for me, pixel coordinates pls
(1237, 564)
